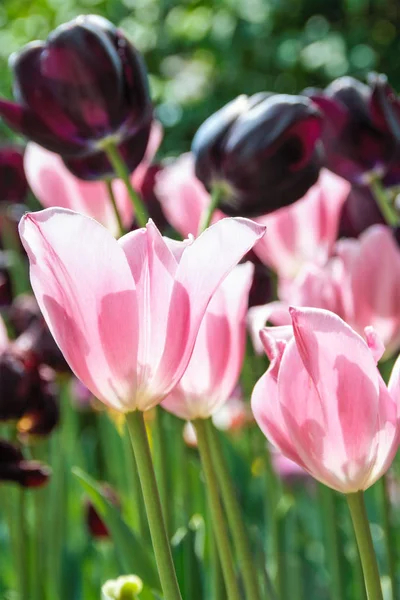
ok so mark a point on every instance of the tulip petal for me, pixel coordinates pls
(214, 367)
(203, 266)
(265, 402)
(153, 267)
(306, 230)
(340, 415)
(86, 293)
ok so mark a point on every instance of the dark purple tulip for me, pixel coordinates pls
(13, 467)
(262, 151)
(13, 184)
(361, 127)
(85, 84)
(359, 212)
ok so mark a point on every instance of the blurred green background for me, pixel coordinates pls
(200, 54)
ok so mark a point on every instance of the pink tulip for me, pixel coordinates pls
(361, 284)
(306, 230)
(126, 313)
(214, 369)
(182, 196)
(54, 185)
(323, 403)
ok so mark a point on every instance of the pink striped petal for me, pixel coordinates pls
(203, 266)
(215, 364)
(86, 292)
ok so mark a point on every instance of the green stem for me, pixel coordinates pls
(122, 172)
(388, 529)
(234, 515)
(207, 216)
(329, 524)
(388, 212)
(164, 481)
(218, 517)
(162, 550)
(364, 540)
(121, 229)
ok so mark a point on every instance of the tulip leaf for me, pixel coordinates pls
(133, 554)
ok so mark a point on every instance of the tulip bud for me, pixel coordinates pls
(126, 587)
(13, 184)
(85, 84)
(360, 128)
(261, 152)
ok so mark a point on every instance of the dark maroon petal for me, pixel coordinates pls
(82, 69)
(207, 143)
(353, 94)
(97, 166)
(24, 121)
(38, 93)
(359, 212)
(356, 137)
(13, 183)
(137, 94)
(9, 453)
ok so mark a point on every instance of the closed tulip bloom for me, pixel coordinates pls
(305, 231)
(126, 313)
(359, 135)
(85, 84)
(262, 152)
(324, 404)
(215, 365)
